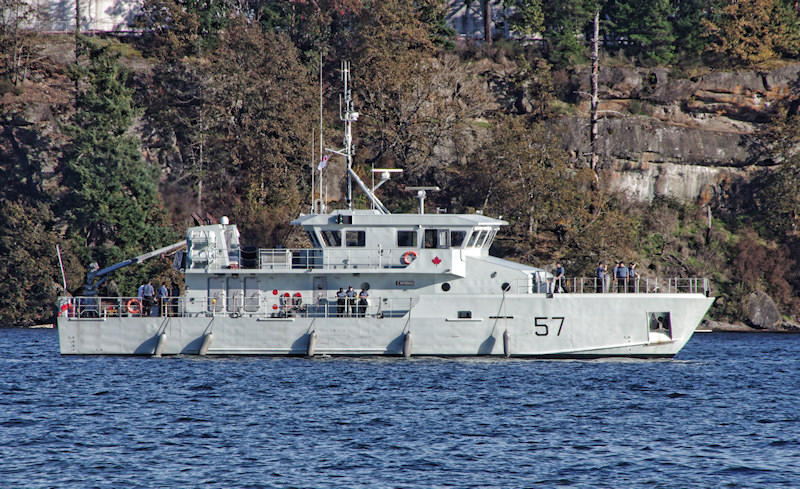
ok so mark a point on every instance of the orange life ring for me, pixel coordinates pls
(134, 306)
(409, 256)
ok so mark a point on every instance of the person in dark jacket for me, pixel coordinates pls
(622, 277)
(341, 300)
(600, 278)
(362, 302)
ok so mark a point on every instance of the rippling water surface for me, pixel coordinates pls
(724, 413)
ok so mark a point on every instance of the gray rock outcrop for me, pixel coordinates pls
(761, 311)
(664, 135)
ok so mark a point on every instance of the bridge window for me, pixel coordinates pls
(490, 239)
(471, 241)
(407, 238)
(481, 239)
(313, 238)
(355, 238)
(457, 238)
(332, 238)
(437, 238)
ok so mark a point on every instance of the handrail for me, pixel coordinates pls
(637, 285)
(276, 306)
(266, 306)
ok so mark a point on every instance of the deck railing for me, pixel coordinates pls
(299, 258)
(267, 308)
(637, 285)
(274, 306)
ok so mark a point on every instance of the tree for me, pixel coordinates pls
(260, 113)
(28, 263)
(17, 44)
(687, 25)
(565, 27)
(644, 27)
(776, 200)
(753, 32)
(522, 174)
(111, 206)
(172, 29)
(528, 17)
(413, 104)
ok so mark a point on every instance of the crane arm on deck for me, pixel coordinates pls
(96, 278)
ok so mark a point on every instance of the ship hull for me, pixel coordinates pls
(564, 325)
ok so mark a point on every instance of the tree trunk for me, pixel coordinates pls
(595, 101)
(487, 21)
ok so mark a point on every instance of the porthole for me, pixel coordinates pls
(445, 286)
(506, 286)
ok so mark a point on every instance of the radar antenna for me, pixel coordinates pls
(421, 192)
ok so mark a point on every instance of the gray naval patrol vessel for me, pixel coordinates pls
(433, 289)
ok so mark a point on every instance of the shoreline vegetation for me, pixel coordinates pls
(112, 144)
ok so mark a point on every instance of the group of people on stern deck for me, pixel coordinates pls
(149, 297)
(347, 305)
(622, 278)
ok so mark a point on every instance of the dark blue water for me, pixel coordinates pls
(724, 413)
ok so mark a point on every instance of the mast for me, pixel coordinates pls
(348, 116)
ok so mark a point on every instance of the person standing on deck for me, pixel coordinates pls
(600, 278)
(362, 302)
(163, 293)
(559, 278)
(351, 300)
(622, 277)
(175, 293)
(340, 302)
(147, 298)
(632, 275)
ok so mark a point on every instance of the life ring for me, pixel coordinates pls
(134, 306)
(297, 300)
(409, 256)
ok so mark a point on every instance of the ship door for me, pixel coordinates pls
(252, 294)
(320, 289)
(235, 301)
(216, 294)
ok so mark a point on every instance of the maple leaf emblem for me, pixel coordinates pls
(436, 260)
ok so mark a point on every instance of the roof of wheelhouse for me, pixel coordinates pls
(367, 217)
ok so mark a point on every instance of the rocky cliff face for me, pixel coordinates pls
(663, 135)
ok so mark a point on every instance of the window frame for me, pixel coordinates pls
(360, 238)
(328, 236)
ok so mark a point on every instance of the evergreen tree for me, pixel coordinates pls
(28, 263)
(566, 27)
(528, 17)
(111, 205)
(687, 25)
(644, 27)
